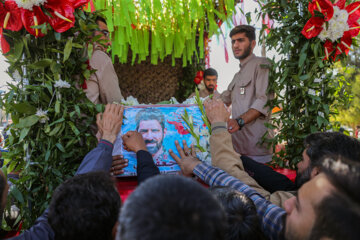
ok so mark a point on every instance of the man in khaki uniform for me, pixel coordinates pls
(248, 96)
(210, 82)
(223, 155)
(103, 85)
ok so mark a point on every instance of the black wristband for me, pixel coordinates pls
(217, 127)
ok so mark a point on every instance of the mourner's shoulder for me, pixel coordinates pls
(263, 62)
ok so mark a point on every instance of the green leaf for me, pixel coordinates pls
(67, 50)
(16, 194)
(60, 147)
(55, 130)
(90, 50)
(25, 108)
(24, 132)
(41, 64)
(16, 51)
(57, 106)
(27, 122)
(47, 155)
(57, 121)
(73, 128)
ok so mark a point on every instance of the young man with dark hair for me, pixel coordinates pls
(248, 95)
(103, 85)
(224, 156)
(242, 219)
(169, 207)
(303, 216)
(210, 82)
(85, 207)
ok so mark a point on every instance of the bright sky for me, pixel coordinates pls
(225, 70)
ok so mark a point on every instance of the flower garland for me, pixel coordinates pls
(337, 25)
(36, 14)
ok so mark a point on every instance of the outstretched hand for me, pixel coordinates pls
(133, 141)
(187, 160)
(216, 111)
(109, 123)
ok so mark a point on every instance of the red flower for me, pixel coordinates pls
(35, 17)
(313, 27)
(354, 13)
(323, 6)
(10, 16)
(62, 14)
(5, 47)
(344, 45)
(199, 77)
(354, 29)
(329, 48)
(340, 3)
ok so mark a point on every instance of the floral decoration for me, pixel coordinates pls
(199, 77)
(336, 27)
(60, 15)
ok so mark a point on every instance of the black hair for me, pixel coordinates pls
(319, 144)
(247, 29)
(242, 219)
(101, 19)
(85, 207)
(150, 114)
(210, 72)
(338, 214)
(168, 207)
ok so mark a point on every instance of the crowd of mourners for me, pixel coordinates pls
(326, 204)
(246, 199)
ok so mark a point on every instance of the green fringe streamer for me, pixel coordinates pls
(158, 28)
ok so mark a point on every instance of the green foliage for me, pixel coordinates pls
(350, 114)
(158, 28)
(47, 149)
(303, 82)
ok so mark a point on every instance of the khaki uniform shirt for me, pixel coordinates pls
(103, 85)
(203, 93)
(248, 90)
(223, 156)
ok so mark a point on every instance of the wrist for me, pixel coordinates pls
(140, 149)
(109, 137)
(240, 121)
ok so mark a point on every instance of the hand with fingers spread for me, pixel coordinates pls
(216, 110)
(109, 123)
(118, 164)
(133, 141)
(187, 160)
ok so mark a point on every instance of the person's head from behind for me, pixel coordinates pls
(171, 208)
(210, 79)
(242, 219)
(319, 144)
(103, 33)
(243, 41)
(328, 206)
(85, 207)
(150, 122)
(4, 188)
